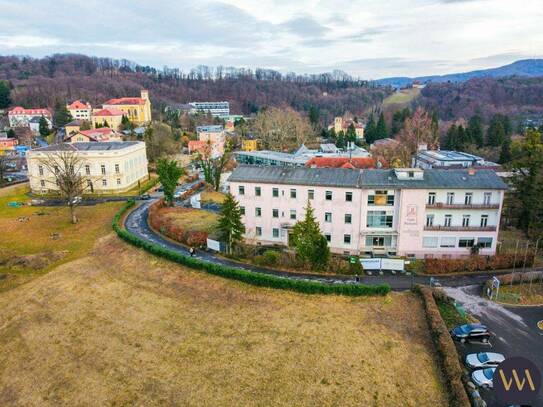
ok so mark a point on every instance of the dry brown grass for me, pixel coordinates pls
(213, 196)
(190, 219)
(529, 295)
(120, 327)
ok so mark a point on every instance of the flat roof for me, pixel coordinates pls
(450, 155)
(90, 146)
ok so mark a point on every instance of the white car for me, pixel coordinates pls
(484, 359)
(483, 377)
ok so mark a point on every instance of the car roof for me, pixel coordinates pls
(494, 355)
(475, 326)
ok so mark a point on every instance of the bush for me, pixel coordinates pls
(448, 357)
(271, 257)
(475, 263)
(249, 277)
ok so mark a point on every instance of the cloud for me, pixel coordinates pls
(304, 26)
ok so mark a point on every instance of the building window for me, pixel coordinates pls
(118, 181)
(42, 183)
(40, 170)
(275, 232)
(466, 242)
(328, 237)
(258, 231)
(258, 212)
(465, 220)
(484, 242)
(311, 194)
(429, 241)
(242, 210)
(349, 196)
(381, 198)
(328, 195)
(275, 213)
(487, 198)
(448, 220)
(103, 167)
(348, 218)
(429, 220)
(258, 191)
(104, 182)
(467, 198)
(450, 198)
(293, 214)
(328, 217)
(117, 170)
(293, 193)
(431, 198)
(87, 169)
(484, 221)
(89, 183)
(448, 242)
(379, 219)
(275, 192)
(347, 239)
(241, 190)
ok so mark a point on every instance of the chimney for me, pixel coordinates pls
(471, 171)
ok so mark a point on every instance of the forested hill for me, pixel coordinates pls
(517, 97)
(42, 82)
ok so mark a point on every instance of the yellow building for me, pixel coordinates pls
(110, 117)
(249, 145)
(138, 110)
(73, 127)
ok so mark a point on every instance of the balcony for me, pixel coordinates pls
(461, 228)
(441, 205)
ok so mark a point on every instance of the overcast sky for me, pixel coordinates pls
(370, 38)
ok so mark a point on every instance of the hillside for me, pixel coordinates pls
(41, 82)
(525, 67)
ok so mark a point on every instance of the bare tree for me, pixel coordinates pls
(3, 167)
(65, 169)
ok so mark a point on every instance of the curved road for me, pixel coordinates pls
(136, 223)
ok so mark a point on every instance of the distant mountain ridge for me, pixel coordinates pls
(524, 67)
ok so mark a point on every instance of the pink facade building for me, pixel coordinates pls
(406, 212)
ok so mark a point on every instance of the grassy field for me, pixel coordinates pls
(401, 97)
(528, 296)
(120, 327)
(191, 219)
(36, 239)
(450, 315)
(212, 196)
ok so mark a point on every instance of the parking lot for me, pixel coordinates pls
(515, 331)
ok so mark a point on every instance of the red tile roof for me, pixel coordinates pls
(78, 104)
(342, 162)
(125, 101)
(109, 112)
(18, 110)
(99, 134)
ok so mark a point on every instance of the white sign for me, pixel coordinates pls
(214, 245)
(392, 264)
(371, 264)
(195, 201)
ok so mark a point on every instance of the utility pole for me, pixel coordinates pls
(514, 264)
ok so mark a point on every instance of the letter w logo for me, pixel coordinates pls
(519, 383)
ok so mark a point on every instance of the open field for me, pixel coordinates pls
(190, 219)
(120, 327)
(401, 97)
(36, 239)
(212, 196)
(528, 295)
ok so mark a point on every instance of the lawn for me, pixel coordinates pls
(36, 239)
(191, 219)
(401, 97)
(120, 327)
(528, 295)
(450, 315)
(213, 197)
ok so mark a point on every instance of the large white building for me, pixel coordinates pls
(408, 212)
(21, 117)
(449, 159)
(113, 167)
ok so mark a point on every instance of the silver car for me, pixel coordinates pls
(483, 377)
(484, 359)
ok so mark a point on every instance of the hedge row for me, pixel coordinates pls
(448, 357)
(475, 263)
(258, 279)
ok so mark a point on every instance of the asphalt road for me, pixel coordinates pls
(515, 329)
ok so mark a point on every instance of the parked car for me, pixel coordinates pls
(484, 359)
(483, 377)
(471, 332)
(145, 197)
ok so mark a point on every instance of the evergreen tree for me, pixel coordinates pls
(230, 226)
(381, 128)
(126, 124)
(62, 116)
(314, 116)
(495, 134)
(462, 138)
(168, 174)
(505, 153)
(435, 125)
(340, 140)
(475, 130)
(106, 124)
(451, 138)
(370, 130)
(5, 97)
(351, 134)
(311, 246)
(44, 127)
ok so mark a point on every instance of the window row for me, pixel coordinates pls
(87, 168)
(451, 242)
(347, 218)
(89, 183)
(468, 198)
(328, 195)
(466, 220)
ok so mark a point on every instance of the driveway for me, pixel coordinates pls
(515, 329)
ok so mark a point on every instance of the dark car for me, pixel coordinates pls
(145, 197)
(471, 332)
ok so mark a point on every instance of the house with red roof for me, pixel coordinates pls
(344, 162)
(80, 110)
(341, 124)
(199, 146)
(110, 117)
(21, 117)
(102, 134)
(138, 110)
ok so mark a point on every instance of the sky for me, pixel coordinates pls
(370, 39)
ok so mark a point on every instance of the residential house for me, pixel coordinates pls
(249, 144)
(7, 144)
(341, 124)
(73, 127)
(110, 117)
(138, 110)
(407, 212)
(80, 110)
(215, 136)
(21, 117)
(114, 167)
(101, 134)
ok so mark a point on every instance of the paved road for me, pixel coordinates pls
(515, 329)
(136, 223)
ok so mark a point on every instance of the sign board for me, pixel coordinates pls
(214, 245)
(411, 215)
(392, 264)
(195, 201)
(353, 260)
(371, 264)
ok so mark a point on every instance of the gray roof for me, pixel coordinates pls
(90, 146)
(341, 177)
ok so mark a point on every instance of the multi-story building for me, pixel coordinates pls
(113, 167)
(216, 109)
(138, 110)
(102, 134)
(80, 110)
(449, 159)
(7, 144)
(110, 117)
(21, 117)
(341, 124)
(214, 136)
(408, 212)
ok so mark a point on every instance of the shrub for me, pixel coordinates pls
(249, 277)
(475, 263)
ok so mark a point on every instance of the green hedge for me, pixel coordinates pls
(258, 279)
